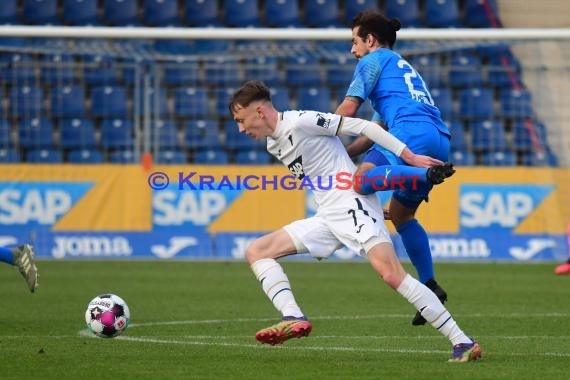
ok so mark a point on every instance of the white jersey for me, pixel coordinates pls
(307, 143)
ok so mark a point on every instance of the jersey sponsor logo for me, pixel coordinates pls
(499, 206)
(296, 168)
(323, 121)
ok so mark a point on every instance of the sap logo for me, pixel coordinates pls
(7, 240)
(39, 203)
(91, 246)
(296, 167)
(21, 207)
(195, 207)
(505, 206)
(176, 244)
(535, 246)
(240, 246)
(459, 248)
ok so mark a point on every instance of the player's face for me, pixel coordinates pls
(359, 48)
(250, 121)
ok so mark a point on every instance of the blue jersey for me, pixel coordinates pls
(395, 89)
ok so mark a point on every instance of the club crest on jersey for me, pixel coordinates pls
(323, 121)
(296, 168)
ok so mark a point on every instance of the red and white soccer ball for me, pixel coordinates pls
(107, 315)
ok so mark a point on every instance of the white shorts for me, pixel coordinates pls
(358, 226)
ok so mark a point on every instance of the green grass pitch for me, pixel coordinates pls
(197, 320)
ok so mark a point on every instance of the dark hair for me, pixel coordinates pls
(248, 93)
(375, 23)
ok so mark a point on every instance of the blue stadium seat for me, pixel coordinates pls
(84, 156)
(38, 12)
(77, 133)
(315, 98)
(35, 133)
(20, 70)
(181, 73)
(8, 12)
(241, 13)
(321, 13)
(516, 104)
(122, 157)
(211, 157)
(529, 135)
(458, 139)
(109, 101)
(443, 99)
(120, 12)
(352, 8)
(157, 101)
(26, 101)
(160, 12)
(504, 71)
(44, 156)
(488, 135)
(430, 69)
(191, 102)
(465, 71)
(99, 71)
(234, 139)
(463, 158)
(253, 157)
(302, 70)
(262, 68)
(282, 13)
(57, 69)
(5, 134)
(201, 134)
(407, 11)
(202, 13)
(165, 134)
(224, 71)
(67, 101)
(9, 156)
(500, 158)
(442, 13)
(117, 133)
(339, 70)
(80, 12)
(476, 103)
(171, 157)
(223, 96)
(481, 14)
(544, 158)
(280, 98)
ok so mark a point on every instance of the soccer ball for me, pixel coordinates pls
(107, 315)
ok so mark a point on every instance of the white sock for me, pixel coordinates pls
(276, 285)
(432, 309)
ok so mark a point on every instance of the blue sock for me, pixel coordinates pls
(416, 241)
(6, 255)
(392, 177)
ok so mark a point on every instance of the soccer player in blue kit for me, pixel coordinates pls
(403, 103)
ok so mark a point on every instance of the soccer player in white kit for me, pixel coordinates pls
(307, 143)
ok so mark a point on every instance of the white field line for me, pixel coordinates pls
(347, 317)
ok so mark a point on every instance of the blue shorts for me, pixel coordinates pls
(421, 138)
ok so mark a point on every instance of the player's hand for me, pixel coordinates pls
(418, 160)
